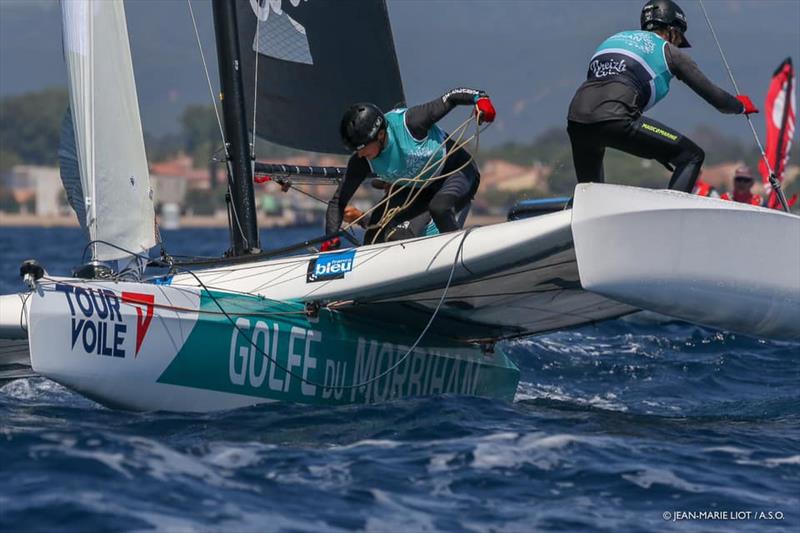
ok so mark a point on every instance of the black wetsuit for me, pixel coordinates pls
(608, 113)
(443, 198)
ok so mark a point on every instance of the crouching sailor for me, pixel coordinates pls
(629, 73)
(406, 149)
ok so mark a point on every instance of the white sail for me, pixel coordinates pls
(108, 129)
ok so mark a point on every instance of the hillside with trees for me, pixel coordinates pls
(30, 124)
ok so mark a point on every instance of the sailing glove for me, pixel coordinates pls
(484, 109)
(748, 104)
(330, 244)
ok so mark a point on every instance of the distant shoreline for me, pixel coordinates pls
(17, 220)
(53, 221)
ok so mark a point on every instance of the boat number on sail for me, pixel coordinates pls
(330, 266)
(97, 325)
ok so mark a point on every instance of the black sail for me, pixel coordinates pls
(315, 58)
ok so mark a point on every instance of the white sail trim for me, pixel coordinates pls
(108, 129)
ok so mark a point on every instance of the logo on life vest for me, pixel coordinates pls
(330, 266)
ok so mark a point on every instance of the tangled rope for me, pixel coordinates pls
(403, 183)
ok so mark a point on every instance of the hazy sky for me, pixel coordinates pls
(529, 54)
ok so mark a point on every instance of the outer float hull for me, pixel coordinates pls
(151, 347)
(722, 264)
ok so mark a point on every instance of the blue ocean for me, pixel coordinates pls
(637, 424)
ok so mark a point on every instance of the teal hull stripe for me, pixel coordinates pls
(329, 352)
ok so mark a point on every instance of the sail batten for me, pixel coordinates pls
(108, 131)
(315, 58)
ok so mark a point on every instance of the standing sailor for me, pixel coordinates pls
(628, 74)
(403, 145)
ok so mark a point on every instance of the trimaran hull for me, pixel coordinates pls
(722, 264)
(155, 347)
(168, 346)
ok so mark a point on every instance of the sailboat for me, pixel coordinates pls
(365, 324)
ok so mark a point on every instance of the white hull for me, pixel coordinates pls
(722, 264)
(13, 316)
(512, 279)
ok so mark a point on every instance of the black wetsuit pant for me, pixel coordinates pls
(643, 137)
(441, 199)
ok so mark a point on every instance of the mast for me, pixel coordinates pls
(243, 219)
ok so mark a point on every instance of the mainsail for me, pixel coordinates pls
(108, 132)
(315, 58)
(780, 116)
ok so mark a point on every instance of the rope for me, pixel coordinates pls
(180, 309)
(255, 91)
(283, 182)
(383, 374)
(389, 214)
(219, 121)
(208, 79)
(232, 205)
(772, 179)
(402, 359)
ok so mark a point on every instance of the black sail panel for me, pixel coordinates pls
(315, 58)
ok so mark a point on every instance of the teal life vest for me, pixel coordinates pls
(634, 57)
(403, 156)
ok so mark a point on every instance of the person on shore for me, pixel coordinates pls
(628, 74)
(406, 144)
(743, 181)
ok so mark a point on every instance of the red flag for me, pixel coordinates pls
(779, 112)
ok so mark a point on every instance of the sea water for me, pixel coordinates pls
(637, 424)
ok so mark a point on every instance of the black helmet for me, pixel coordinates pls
(661, 13)
(360, 125)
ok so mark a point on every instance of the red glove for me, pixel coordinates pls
(330, 244)
(748, 104)
(485, 110)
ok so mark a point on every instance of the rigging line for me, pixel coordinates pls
(280, 278)
(173, 267)
(208, 79)
(413, 195)
(428, 165)
(773, 180)
(294, 187)
(275, 281)
(255, 91)
(91, 139)
(23, 324)
(384, 202)
(389, 214)
(232, 205)
(383, 374)
(298, 189)
(219, 120)
(181, 309)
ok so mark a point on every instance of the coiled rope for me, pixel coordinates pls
(398, 185)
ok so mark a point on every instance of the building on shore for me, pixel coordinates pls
(40, 187)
